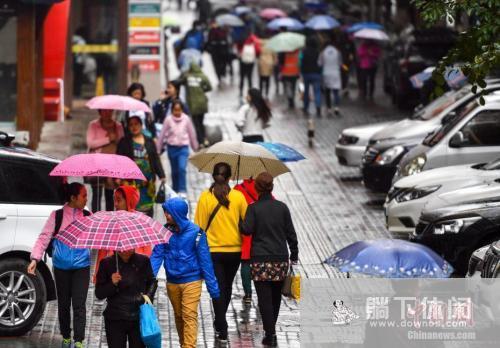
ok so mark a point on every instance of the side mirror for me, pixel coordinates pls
(448, 117)
(457, 140)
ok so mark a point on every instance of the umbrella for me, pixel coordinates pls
(99, 165)
(117, 102)
(272, 13)
(168, 20)
(391, 258)
(284, 152)
(364, 25)
(286, 42)
(114, 230)
(241, 10)
(315, 5)
(322, 22)
(188, 56)
(246, 160)
(229, 20)
(371, 34)
(287, 22)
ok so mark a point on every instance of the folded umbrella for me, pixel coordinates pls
(246, 160)
(286, 42)
(287, 22)
(272, 13)
(322, 22)
(229, 20)
(371, 34)
(284, 152)
(117, 102)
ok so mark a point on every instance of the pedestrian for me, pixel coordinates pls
(142, 150)
(136, 90)
(269, 223)
(163, 106)
(126, 281)
(368, 55)
(267, 61)
(289, 63)
(219, 212)
(71, 266)
(194, 38)
(217, 46)
(187, 262)
(348, 52)
(103, 136)
(311, 74)
(197, 84)
(248, 52)
(253, 117)
(177, 134)
(331, 61)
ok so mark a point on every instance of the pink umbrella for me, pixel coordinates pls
(99, 165)
(114, 230)
(272, 13)
(117, 102)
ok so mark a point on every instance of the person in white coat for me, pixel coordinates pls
(330, 60)
(253, 117)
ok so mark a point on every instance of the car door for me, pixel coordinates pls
(478, 140)
(36, 195)
(8, 215)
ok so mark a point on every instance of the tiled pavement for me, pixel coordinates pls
(329, 206)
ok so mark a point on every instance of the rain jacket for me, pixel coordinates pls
(197, 84)
(247, 187)
(63, 257)
(186, 256)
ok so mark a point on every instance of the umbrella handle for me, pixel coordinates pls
(117, 269)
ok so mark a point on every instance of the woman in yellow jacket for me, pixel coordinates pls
(219, 212)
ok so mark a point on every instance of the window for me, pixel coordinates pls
(4, 193)
(8, 62)
(483, 130)
(29, 183)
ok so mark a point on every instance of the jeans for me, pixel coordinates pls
(72, 287)
(313, 80)
(264, 82)
(328, 97)
(367, 81)
(246, 277)
(118, 332)
(246, 72)
(290, 84)
(199, 127)
(225, 267)
(269, 297)
(185, 299)
(178, 157)
(97, 195)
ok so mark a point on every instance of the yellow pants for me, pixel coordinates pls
(185, 299)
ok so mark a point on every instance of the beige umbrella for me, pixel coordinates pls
(246, 160)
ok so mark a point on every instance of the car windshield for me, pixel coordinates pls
(435, 107)
(454, 118)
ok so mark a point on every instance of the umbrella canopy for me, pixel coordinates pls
(287, 22)
(114, 230)
(168, 20)
(272, 13)
(100, 165)
(286, 42)
(246, 160)
(117, 102)
(284, 152)
(364, 25)
(229, 20)
(371, 34)
(391, 258)
(322, 22)
(240, 10)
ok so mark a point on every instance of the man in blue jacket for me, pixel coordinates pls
(187, 261)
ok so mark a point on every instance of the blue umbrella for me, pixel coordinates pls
(315, 5)
(391, 258)
(322, 22)
(287, 22)
(284, 152)
(364, 25)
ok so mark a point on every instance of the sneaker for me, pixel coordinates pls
(270, 341)
(222, 340)
(337, 111)
(329, 112)
(78, 345)
(66, 343)
(247, 300)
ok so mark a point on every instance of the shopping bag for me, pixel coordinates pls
(161, 195)
(291, 285)
(149, 326)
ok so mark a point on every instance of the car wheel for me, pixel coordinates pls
(22, 298)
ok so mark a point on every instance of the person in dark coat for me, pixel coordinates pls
(269, 223)
(124, 281)
(163, 106)
(136, 90)
(311, 74)
(142, 150)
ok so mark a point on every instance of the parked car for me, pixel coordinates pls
(456, 231)
(27, 197)
(471, 135)
(406, 199)
(388, 146)
(476, 262)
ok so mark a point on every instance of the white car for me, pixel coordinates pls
(407, 198)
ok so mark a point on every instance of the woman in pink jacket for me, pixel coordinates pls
(178, 134)
(103, 136)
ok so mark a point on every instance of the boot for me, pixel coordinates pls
(270, 341)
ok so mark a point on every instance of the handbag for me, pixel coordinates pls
(161, 195)
(149, 326)
(291, 285)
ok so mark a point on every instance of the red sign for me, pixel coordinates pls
(144, 37)
(144, 65)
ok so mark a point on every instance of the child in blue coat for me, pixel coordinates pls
(187, 261)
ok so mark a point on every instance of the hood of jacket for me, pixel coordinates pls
(132, 196)
(195, 68)
(178, 209)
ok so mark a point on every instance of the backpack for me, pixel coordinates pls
(248, 54)
(59, 217)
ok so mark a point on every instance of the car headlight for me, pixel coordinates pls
(454, 226)
(415, 166)
(388, 156)
(416, 193)
(347, 139)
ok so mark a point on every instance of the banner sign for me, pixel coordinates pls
(146, 50)
(144, 22)
(145, 8)
(139, 37)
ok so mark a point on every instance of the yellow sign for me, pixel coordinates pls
(144, 22)
(95, 48)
